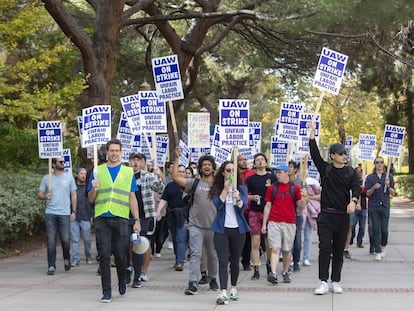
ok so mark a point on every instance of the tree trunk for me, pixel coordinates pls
(410, 130)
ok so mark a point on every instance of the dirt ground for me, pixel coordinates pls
(22, 246)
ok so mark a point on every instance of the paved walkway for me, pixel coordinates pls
(368, 285)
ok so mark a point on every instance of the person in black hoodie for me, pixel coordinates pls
(337, 180)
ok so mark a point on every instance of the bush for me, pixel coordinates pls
(18, 148)
(405, 185)
(21, 212)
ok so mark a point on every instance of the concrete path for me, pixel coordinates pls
(368, 285)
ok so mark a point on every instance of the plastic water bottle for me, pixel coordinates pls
(135, 238)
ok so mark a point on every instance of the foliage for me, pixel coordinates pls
(18, 148)
(39, 73)
(405, 185)
(21, 213)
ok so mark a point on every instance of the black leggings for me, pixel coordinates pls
(229, 246)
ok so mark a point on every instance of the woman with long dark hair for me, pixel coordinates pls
(229, 227)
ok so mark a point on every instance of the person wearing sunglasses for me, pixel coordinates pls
(61, 202)
(337, 181)
(229, 227)
(379, 187)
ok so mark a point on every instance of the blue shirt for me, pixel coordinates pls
(113, 171)
(378, 197)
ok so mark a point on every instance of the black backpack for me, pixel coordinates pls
(291, 192)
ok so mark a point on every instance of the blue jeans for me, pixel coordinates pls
(380, 216)
(307, 241)
(77, 228)
(112, 235)
(297, 244)
(360, 219)
(179, 236)
(57, 224)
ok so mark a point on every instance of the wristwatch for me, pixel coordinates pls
(355, 201)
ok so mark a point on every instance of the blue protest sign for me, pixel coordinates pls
(278, 151)
(167, 78)
(50, 140)
(132, 112)
(288, 128)
(304, 130)
(393, 140)
(96, 122)
(125, 136)
(330, 71)
(68, 161)
(153, 118)
(234, 123)
(366, 147)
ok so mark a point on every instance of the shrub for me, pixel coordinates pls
(405, 185)
(21, 212)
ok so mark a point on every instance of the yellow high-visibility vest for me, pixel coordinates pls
(113, 196)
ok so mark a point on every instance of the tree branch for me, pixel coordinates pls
(221, 36)
(70, 27)
(364, 35)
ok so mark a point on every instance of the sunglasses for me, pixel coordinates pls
(379, 162)
(61, 162)
(229, 170)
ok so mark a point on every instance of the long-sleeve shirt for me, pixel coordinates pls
(335, 188)
(379, 197)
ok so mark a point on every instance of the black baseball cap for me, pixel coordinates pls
(337, 148)
(137, 155)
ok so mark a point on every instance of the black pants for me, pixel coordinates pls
(112, 234)
(247, 248)
(229, 246)
(332, 232)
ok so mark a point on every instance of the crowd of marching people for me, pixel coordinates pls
(219, 218)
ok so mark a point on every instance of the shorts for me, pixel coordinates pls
(281, 233)
(255, 222)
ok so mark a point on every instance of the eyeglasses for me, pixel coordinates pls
(229, 170)
(379, 162)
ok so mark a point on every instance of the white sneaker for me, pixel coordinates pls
(306, 263)
(322, 288)
(383, 251)
(336, 288)
(378, 257)
(157, 255)
(144, 277)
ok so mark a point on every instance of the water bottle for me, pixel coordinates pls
(135, 238)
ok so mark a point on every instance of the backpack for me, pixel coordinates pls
(188, 199)
(291, 192)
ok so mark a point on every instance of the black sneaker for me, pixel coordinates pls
(122, 288)
(192, 289)
(268, 268)
(359, 245)
(203, 279)
(272, 278)
(286, 277)
(106, 298)
(347, 255)
(67, 264)
(51, 271)
(246, 267)
(136, 284)
(256, 275)
(213, 285)
(128, 276)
